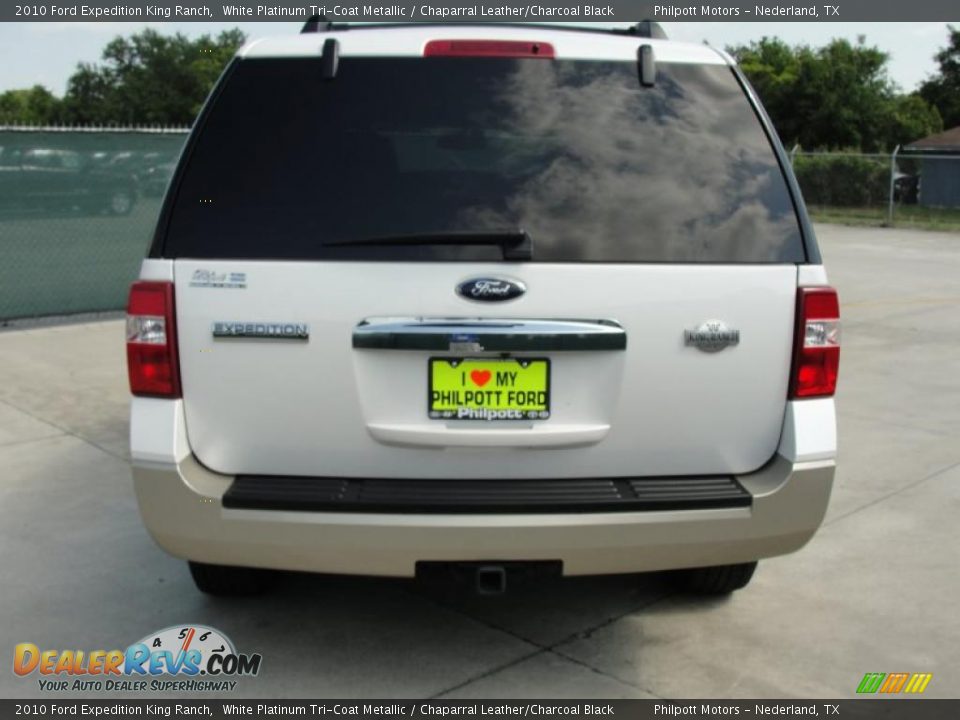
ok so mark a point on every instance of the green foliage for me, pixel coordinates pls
(832, 97)
(911, 118)
(149, 78)
(145, 79)
(34, 106)
(908, 216)
(943, 89)
(842, 180)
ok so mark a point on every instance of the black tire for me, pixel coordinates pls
(719, 580)
(229, 581)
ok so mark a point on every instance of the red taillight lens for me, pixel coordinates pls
(816, 358)
(489, 48)
(152, 340)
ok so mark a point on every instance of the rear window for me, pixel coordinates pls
(594, 167)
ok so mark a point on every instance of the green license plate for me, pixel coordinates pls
(498, 389)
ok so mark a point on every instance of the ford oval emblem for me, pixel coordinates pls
(491, 289)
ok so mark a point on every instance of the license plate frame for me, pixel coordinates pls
(516, 412)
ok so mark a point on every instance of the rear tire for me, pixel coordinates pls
(229, 581)
(719, 580)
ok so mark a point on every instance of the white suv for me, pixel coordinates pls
(487, 296)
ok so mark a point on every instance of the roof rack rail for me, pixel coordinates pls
(648, 29)
(645, 28)
(319, 23)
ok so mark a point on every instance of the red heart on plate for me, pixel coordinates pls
(480, 377)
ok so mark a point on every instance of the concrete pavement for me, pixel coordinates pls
(876, 590)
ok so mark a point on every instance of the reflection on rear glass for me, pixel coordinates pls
(594, 167)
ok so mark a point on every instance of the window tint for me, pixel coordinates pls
(594, 167)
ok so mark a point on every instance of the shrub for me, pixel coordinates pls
(843, 180)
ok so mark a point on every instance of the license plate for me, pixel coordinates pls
(498, 389)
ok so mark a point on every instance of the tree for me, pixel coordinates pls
(846, 92)
(33, 106)
(87, 97)
(943, 89)
(149, 78)
(838, 96)
(912, 118)
(773, 67)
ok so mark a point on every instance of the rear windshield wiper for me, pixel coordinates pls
(515, 244)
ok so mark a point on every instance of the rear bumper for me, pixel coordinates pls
(182, 507)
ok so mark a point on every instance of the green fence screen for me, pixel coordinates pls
(77, 208)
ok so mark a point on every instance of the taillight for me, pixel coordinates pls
(816, 351)
(489, 48)
(152, 340)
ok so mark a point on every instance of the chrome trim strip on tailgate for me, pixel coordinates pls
(493, 335)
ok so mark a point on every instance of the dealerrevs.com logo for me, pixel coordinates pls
(182, 658)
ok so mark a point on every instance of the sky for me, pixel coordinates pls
(48, 53)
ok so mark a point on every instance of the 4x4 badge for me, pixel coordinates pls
(711, 336)
(487, 289)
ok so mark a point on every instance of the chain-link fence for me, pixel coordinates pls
(896, 189)
(77, 207)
